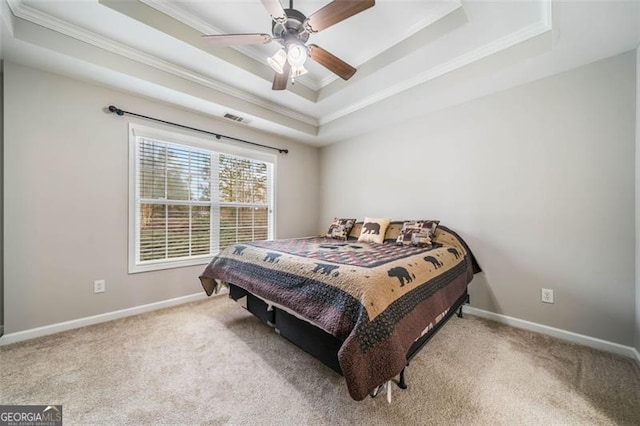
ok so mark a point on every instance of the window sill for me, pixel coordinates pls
(158, 266)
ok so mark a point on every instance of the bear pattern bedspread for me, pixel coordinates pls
(376, 298)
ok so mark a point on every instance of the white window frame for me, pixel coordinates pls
(215, 148)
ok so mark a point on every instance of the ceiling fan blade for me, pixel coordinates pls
(280, 80)
(274, 7)
(334, 12)
(331, 62)
(236, 39)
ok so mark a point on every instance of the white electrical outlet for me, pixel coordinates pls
(99, 286)
(547, 295)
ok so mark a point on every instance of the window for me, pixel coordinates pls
(188, 202)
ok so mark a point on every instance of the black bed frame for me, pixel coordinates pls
(318, 342)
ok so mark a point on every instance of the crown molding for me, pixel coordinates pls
(6, 15)
(198, 24)
(25, 11)
(445, 8)
(28, 13)
(496, 46)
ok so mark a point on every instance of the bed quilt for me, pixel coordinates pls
(376, 298)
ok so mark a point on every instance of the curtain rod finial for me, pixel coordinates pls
(116, 110)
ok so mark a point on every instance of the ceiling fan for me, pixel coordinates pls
(291, 28)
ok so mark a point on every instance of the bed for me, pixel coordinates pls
(364, 309)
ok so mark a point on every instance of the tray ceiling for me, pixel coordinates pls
(412, 57)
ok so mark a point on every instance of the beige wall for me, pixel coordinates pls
(538, 179)
(66, 199)
(638, 199)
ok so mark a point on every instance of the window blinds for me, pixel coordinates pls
(192, 202)
(244, 194)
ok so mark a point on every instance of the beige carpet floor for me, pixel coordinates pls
(213, 363)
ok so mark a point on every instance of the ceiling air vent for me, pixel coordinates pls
(234, 118)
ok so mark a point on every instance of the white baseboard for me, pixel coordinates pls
(558, 333)
(95, 319)
(593, 342)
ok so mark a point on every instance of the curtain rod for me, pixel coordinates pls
(122, 112)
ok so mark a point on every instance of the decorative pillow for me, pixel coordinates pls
(373, 230)
(355, 231)
(340, 228)
(393, 231)
(421, 238)
(417, 232)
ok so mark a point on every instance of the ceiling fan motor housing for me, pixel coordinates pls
(292, 28)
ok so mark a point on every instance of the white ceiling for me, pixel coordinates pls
(413, 57)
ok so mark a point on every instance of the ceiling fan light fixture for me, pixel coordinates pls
(298, 71)
(276, 62)
(296, 55)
